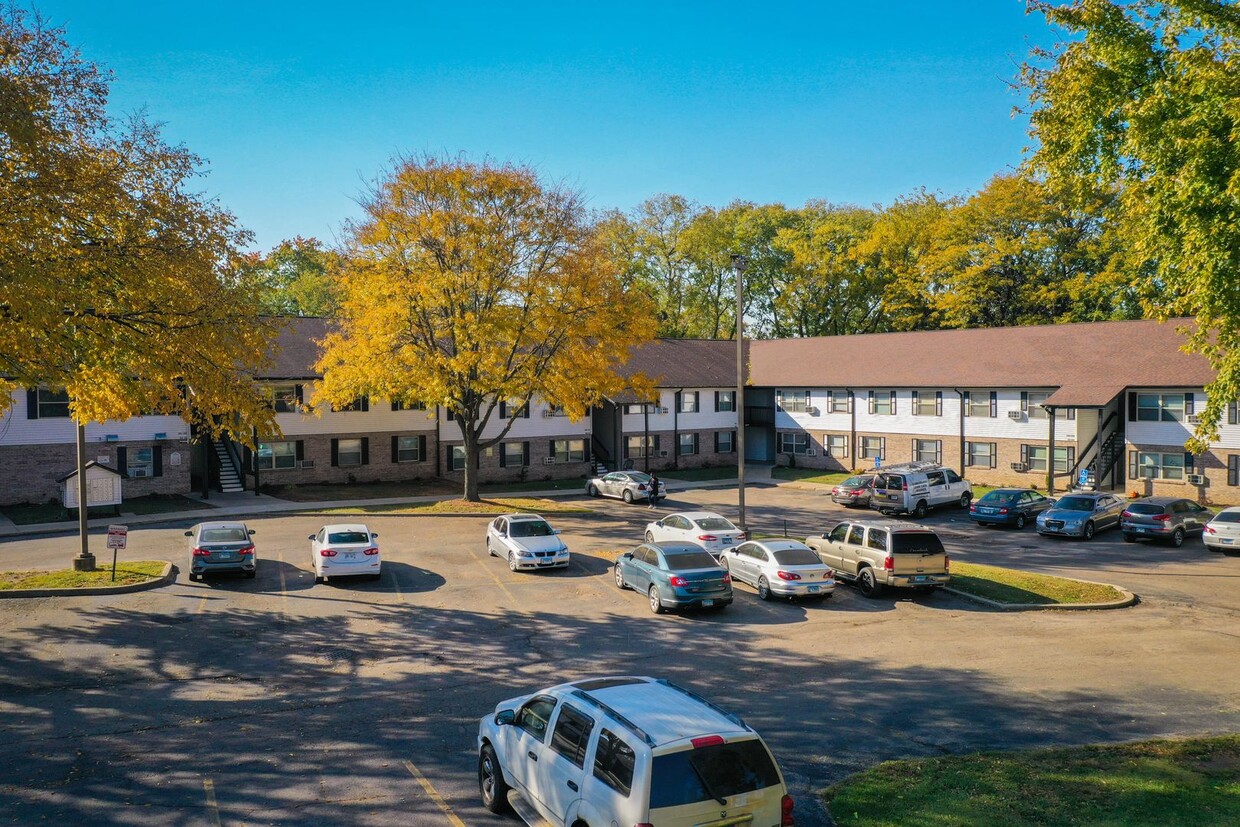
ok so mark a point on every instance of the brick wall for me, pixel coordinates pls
(378, 468)
(490, 469)
(706, 456)
(30, 472)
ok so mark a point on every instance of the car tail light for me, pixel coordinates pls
(904, 486)
(677, 580)
(835, 490)
(947, 561)
(1209, 530)
(973, 506)
(201, 552)
(246, 550)
(707, 538)
(785, 812)
(371, 552)
(788, 575)
(742, 537)
(641, 486)
(727, 578)
(327, 552)
(889, 564)
(829, 574)
(644, 824)
(1126, 514)
(1163, 518)
(706, 741)
(1003, 510)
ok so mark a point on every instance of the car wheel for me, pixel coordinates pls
(490, 551)
(251, 574)
(867, 583)
(592, 491)
(192, 576)
(1130, 538)
(627, 496)
(919, 510)
(491, 781)
(1177, 539)
(512, 561)
(620, 584)
(965, 499)
(1020, 520)
(764, 589)
(649, 537)
(656, 604)
(1088, 531)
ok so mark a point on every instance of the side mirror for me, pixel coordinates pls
(628, 555)
(505, 717)
(251, 532)
(555, 531)
(374, 535)
(826, 536)
(311, 537)
(189, 534)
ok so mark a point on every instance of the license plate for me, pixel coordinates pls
(1142, 530)
(1226, 540)
(350, 555)
(225, 555)
(708, 603)
(1054, 524)
(987, 511)
(813, 588)
(893, 496)
(918, 578)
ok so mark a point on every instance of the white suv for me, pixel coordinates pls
(627, 750)
(916, 487)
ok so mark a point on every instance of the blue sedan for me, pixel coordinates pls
(674, 576)
(1009, 506)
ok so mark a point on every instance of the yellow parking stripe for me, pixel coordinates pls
(434, 795)
(213, 809)
(482, 565)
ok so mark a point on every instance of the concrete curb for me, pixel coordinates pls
(169, 575)
(1128, 599)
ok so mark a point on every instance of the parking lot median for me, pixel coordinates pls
(1012, 589)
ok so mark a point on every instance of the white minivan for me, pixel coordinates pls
(627, 751)
(916, 487)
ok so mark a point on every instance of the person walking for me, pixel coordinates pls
(654, 489)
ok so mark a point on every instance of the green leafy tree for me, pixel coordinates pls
(1143, 98)
(898, 244)
(296, 278)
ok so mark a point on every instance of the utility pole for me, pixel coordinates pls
(739, 263)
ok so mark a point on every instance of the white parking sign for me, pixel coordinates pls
(117, 536)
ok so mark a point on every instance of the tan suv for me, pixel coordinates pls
(878, 553)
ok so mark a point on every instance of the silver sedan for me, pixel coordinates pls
(624, 485)
(785, 568)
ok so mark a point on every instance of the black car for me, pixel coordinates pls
(1009, 506)
(854, 490)
(1169, 519)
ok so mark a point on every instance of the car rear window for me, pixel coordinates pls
(224, 535)
(1076, 504)
(796, 557)
(998, 498)
(715, 524)
(345, 537)
(718, 770)
(889, 481)
(916, 542)
(529, 528)
(856, 482)
(1225, 517)
(1145, 508)
(690, 560)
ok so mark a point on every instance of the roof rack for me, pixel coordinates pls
(731, 716)
(917, 465)
(583, 695)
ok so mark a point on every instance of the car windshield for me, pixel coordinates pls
(999, 498)
(714, 524)
(916, 542)
(685, 560)
(346, 537)
(224, 535)
(716, 771)
(1225, 517)
(1145, 508)
(1075, 504)
(796, 557)
(856, 482)
(530, 528)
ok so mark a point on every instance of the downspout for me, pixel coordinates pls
(646, 434)
(852, 427)
(1050, 451)
(676, 428)
(960, 394)
(438, 444)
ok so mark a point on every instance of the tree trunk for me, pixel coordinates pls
(470, 435)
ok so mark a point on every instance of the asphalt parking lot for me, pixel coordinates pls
(276, 701)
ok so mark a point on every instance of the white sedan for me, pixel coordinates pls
(526, 541)
(785, 568)
(344, 550)
(704, 529)
(1223, 532)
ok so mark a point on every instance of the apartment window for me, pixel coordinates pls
(142, 462)
(837, 445)
(1151, 465)
(52, 404)
(725, 442)
(456, 457)
(839, 402)
(688, 444)
(793, 442)
(514, 454)
(792, 401)
(286, 398)
(401, 405)
(927, 450)
(1233, 469)
(276, 455)
(513, 410)
(1035, 456)
(555, 410)
(1031, 403)
(361, 403)
(927, 403)
(725, 401)
(348, 452)
(637, 447)
(981, 403)
(640, 407)
(980, 454)
(568, 450)
(882, 403)
(408, 449)
(1162, 407)
(688, 401)
(872, 447)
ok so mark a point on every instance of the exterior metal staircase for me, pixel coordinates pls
(1107, 458)
(230, 476)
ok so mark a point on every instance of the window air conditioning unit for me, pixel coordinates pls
(1196, 479)
(306, 463)
(548, 460)
(1193, 419)
(811, 452)
(1017, 415)
(548, 413)
(1020, 466)
(138, 472)
(812, 411)
(662, 410)
(663, 453)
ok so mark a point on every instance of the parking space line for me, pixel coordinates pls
(213, 809)
(202, 604)
(482, 564)
(283, 587)
(434, 795)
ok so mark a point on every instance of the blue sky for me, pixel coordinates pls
(296, 106)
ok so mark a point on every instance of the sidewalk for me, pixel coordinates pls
(224, 506)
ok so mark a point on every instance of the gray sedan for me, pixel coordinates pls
(219, 547)
(1081, 515)
(785, 568)
(624, 485)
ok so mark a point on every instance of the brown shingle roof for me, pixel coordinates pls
(685, 363)
(1089, 363)
(297, 348)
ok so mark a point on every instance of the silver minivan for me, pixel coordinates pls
(916, 487)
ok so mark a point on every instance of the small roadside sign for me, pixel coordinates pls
(117, 536)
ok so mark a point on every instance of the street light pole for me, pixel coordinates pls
(739, 263)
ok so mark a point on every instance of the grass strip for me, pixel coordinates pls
(1156, 783)
(505, 505)
(55, 513)
(1016, 587)
(126, 574)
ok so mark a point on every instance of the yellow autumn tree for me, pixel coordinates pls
(116, 277)
(470, 284)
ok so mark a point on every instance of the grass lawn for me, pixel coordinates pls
(1193, 781)
(126, 573)
(1011, 586)
(152, 504)
(496, 505)
(726, 472)
(781, 472)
